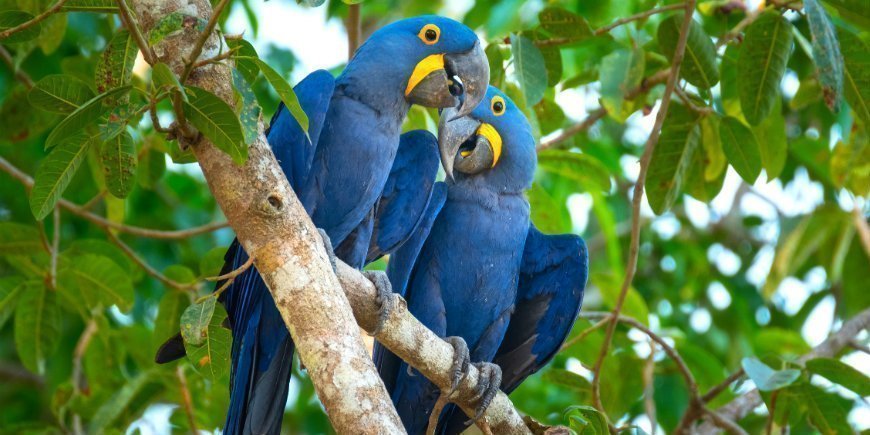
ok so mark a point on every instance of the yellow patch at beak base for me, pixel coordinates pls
(424, 68)
(490, 133)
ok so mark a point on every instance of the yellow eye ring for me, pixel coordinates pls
(498, 105)
(429, 34)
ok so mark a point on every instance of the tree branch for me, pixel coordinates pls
(573, 130)
(132, 26)
(631, 267)
(32, 22)
(20, 75)
(741, 406)
(274, 228)
(354, 28)
(193, 56)
(147, 267)
(186, 398)
(104, 223)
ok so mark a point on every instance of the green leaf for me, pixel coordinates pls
(249, 110)
(529, 68)
(841, 373)
(741, 148)
(169, 312)
(119, 402)
(671, 158)
(548, 215)
(52, 34)
(11, 19)
(119, 164)
(10, 290)
(152, 166)
(59, 94)
(37, 326)
(634, 306)
(856, 11)
(19, 239)
(772, 141)
(56, 172)
(850, 165)
(216, 120)
(101, 279)
(212, 262)
(591, 422)
(102, 248)
(115, 67)
(766, 378)
(285, 91)
(586, 170)
(826, 53)
(856, 74)
(762, 63)
(620, 72)
(496, 65)
(564, 24)
(85, 115)
(195, 321)
(244, 57)
(211, 359)
(163, 77)
(730, 82)
(568, 379)
(706, 173)
(825, 412)
(699, 63)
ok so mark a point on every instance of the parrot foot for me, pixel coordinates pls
(488, 385)
(327, 243)
(461, 360)
(386, 298)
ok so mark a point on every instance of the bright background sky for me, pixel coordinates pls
(321, 44)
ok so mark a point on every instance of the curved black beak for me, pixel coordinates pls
(450, 80)
(466, 144)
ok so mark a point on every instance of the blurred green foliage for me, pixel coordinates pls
(76, 349)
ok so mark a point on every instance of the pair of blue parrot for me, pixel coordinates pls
(464, 253)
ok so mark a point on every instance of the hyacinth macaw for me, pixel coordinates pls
(477, 272)
(363, 186)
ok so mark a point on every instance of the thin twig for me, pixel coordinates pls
(723, 422)
(132, 26)
(186, 398)
(32, 22)
(20, 75)
(102, 222)
(78, 376)
(148, 268)
(631, 267)
(234, 273)
(573, 130)
(193, 57)
(649, 386)
(687, 100)
(640, 16)
(91, 203)
(859, 347)
(354, 28)
(722, 386)
(584, 333)
(155, 121)
(222, 56)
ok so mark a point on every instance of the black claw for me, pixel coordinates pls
(461, 361)
(488, 385)
(386, 298)
(327, 243)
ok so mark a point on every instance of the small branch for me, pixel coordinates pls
(742, 405)
(722, 386)
(104, 223)
(573, 130)
(234, 273)
(859, 347)
(13, 373)
(690, 103)
(640, 16)
(78, 377)
(222, 56)
(155, 121)
(649, 387)
(133, 27)
(631, 267)
(193, 56)
(36, 20)
(20, 75)
(354, 29)
(147, 267)
(186, 398)
(93, 201)
(585, 333)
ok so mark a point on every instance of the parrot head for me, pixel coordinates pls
(494, 142)
(432, 61)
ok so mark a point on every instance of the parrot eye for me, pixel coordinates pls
(498, 106)
(429, 34)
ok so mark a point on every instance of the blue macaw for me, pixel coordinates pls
(363, 184)
(478, 273)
